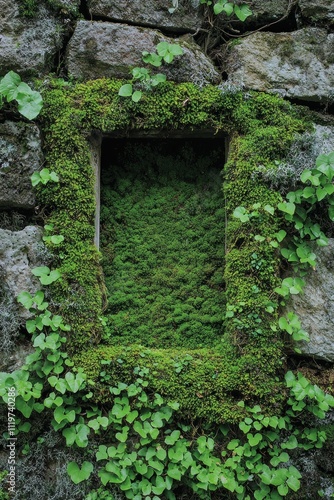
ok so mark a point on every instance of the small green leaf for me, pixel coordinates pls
(56, 239)
(242, 12)
(269, 209)
(286, 207)
(25, 299)
(125, 90)
(136, 96)
(172, 438)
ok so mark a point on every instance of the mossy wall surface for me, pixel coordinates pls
(246, 364)
(162, 241)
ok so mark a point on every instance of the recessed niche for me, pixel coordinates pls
(162, 241)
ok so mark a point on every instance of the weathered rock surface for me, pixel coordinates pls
(28, 46)
(268, 11)
(20, 252)
(264, 12)
(109, 50)
(318, 11)
(315, 307)
(186, 17)
(20, 156)
(297, 65)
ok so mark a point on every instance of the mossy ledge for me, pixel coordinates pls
(250, 360)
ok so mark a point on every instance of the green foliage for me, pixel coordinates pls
(298, 210)
(165, 53)
(45, 275)
(52, 239)
(28, 8)
(165, 272)
(29, 101)
(209, 386)
(79, 474)
(4, 495)
(240, 11)
(43, 177)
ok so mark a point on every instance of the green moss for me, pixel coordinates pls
(249, 359)
(28, 8)
(162, 238)
(206, 383)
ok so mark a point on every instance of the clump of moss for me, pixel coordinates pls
(162, 239)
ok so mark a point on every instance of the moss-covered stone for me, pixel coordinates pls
(247, 364)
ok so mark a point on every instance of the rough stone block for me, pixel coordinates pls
(297, 65)
(20, 156)
(28, 46)
(319, 11)
(315, 307)
(20, 252)
(185, 18)
(101, 49)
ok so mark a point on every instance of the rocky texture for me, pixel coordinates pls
(28, 46)
(269, 11)
(155, 13)
(315, 307)
(20, 252)
(264, 12)
(20, 156)
(296, 65)
(109, 50)
(317, 10)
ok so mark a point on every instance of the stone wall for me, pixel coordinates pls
(284, 47)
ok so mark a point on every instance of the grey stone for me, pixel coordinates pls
(319, 11)
(20, 252)
(28, 46)
(315, 307)
(20, 156)
(264, 12)
(297, 65)
(186, 17)
(111, 50)
(267, 11)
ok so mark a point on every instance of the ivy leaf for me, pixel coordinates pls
(254, 439)
(242, 12)
(241, 213)
(40, 271)
(26, 299)
(9, 84)
(174, 473)
(244, 427)
(280, 235)
(78, 474)
(56, 239)
(293, 483)
(30, 105)
(174, 436)
(23, 406)
(286, 207)
(222, 6)
(102, 454)
(269, 209)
